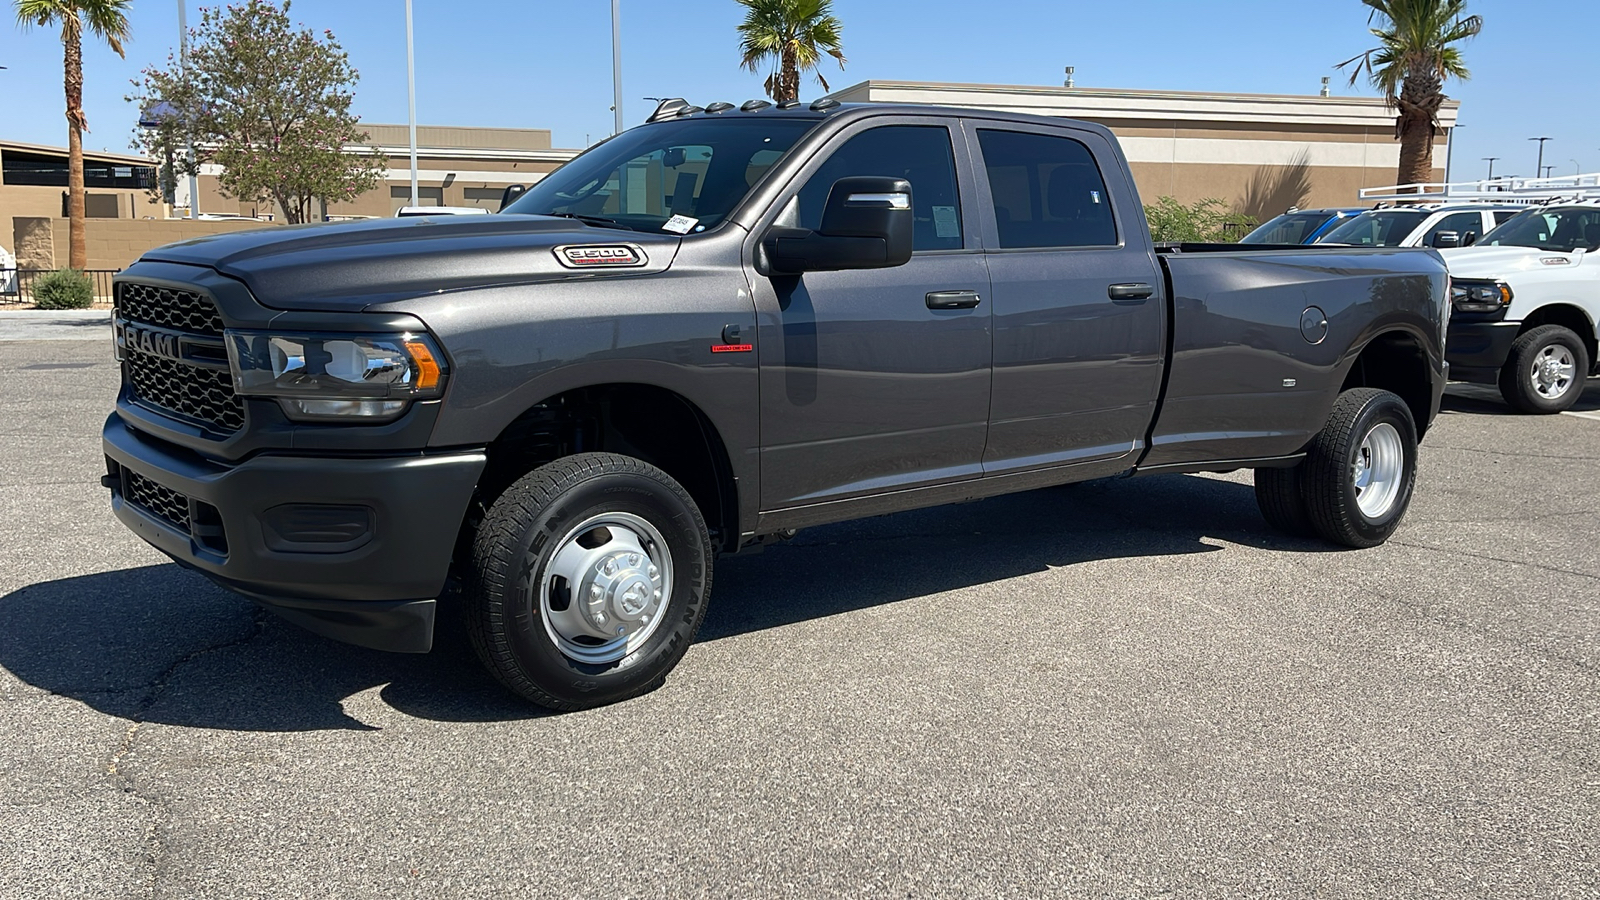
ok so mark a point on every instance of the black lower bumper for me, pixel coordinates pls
(1477, 350)
(352, 548)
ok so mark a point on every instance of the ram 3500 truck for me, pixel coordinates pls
(714, 329)
(1526, 307)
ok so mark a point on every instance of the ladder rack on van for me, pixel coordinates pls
(1510, 191)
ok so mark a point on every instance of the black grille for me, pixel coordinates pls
(167, 308)
(164, 503)
(202, 393)
(191, 391)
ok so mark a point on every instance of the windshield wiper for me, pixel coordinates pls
(597, 221)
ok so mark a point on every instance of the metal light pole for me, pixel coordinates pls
(616, 65)
(1490, 160)
(1576, 168)
(188, 145)
(1449, 146)
(411, 90)
(1541, 141)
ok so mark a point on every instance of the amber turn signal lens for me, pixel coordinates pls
(427, 366)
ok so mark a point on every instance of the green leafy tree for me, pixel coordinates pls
(107, 20)
(1414, 56)
(1208, 221)
(792, 36)
(268, 101)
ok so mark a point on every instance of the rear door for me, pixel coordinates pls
(1078, 305)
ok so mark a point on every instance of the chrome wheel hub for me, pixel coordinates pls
(606, 587)
(1553, 371)
(1379, 465)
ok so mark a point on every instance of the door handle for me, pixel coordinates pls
(953, 299)
(1130, 293)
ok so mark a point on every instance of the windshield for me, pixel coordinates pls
(1289, 228)
(1376, 228)
(696, 168)
(1562, 230)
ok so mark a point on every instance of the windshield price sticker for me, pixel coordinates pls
(598, 256)
(680, 224)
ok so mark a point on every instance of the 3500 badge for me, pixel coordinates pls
(597, 256)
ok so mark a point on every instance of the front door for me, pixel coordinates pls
(1079, 340)
(865, 386)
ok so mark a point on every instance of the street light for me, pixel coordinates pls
(1576, 168)
(616, 66)
(1490, 160)
(1544, 171)
(1541, 141)
(188, 146)
(411, 92)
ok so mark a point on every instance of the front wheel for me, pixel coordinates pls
(1545, 371)
(589, 580)
(1360, 470)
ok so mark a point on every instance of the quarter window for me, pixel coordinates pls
(1047, 191)
(920, 154)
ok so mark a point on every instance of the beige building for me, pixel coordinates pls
(33, 185)
(1261, 153)
(455, 167)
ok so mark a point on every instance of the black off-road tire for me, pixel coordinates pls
(1327, 474)
(1282, 502)
(1516, 376)
(518, 538)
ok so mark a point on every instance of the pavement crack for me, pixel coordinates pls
(1499, 559)
(160, 808)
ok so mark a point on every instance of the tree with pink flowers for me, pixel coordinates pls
(268, 100)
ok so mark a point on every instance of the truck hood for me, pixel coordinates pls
(352, 265)
(1504, 262)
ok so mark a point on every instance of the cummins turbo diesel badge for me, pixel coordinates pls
(597, 256)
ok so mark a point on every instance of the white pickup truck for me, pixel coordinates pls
(1525, 300)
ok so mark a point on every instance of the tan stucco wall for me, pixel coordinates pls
(116, 243)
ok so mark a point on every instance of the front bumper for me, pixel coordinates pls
(368, 575)
(1477, 349)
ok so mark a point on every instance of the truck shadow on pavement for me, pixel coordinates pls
(161, 644)
(1482, 399)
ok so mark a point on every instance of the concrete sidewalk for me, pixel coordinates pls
(55, 324)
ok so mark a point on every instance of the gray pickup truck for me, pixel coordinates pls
(710, 331)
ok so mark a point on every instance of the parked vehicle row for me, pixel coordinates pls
(1526, 288)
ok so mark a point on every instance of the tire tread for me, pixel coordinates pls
(494, 556)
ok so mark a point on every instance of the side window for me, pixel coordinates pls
(1460, 223)
(920, 154)
(1047, 191)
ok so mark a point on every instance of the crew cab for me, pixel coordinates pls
(1526, 300)
(712, 330)
(1438, 225)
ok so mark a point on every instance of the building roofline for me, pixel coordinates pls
(1114, 92)
(88, 155)
(1102, 104)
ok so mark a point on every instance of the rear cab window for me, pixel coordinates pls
(1047, 190)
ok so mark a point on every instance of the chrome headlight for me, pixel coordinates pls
(325, 377)
(1479, 296)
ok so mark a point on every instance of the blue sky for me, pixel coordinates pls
(547, 64)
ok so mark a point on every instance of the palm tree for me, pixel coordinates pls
(1413, 58)
(793, 34)
(108, 20)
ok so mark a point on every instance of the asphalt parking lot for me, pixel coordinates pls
(1127, 688)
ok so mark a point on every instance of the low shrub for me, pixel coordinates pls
(63, 289)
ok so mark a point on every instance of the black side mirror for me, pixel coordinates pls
(866, 224)
(510, 195)
(1444, 240)
(1468, 239)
